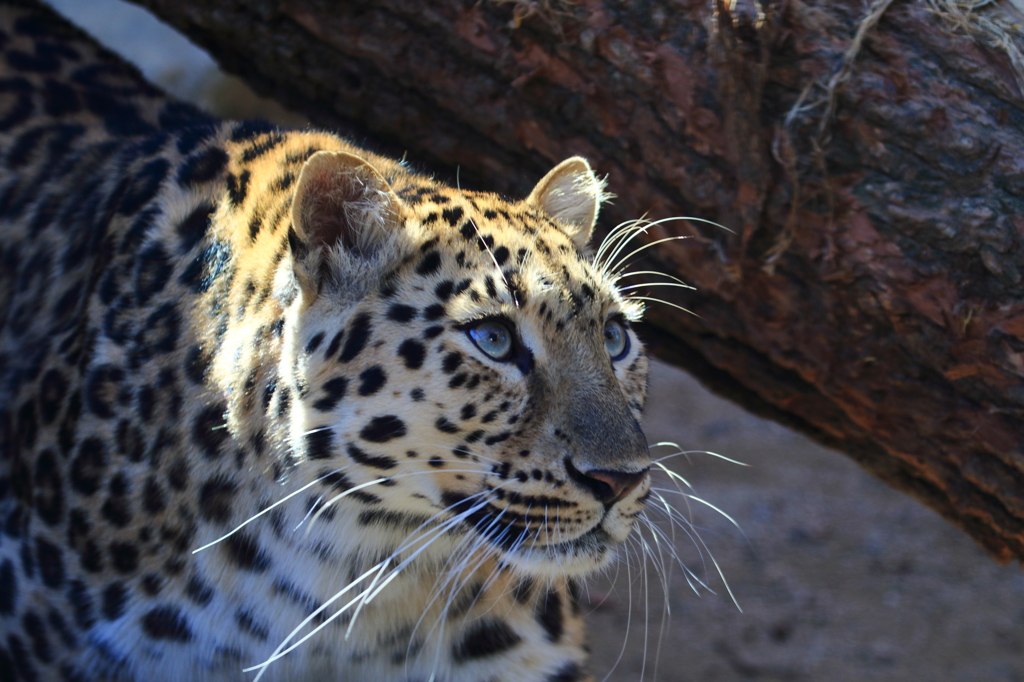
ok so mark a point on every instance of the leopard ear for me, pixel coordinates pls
(572, 195)
(341, 200)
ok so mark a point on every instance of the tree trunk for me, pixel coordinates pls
(867, 162)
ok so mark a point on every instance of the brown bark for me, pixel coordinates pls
(871, 291)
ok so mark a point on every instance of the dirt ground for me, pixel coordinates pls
(839, 578)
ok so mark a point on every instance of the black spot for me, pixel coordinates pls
(501, 255)
(16, 665)
(314, 343)
(358, 335)
(366, 459)
(522, 591)
(402, 313)
(177, 473)
(209, 430)
(432, 332)
(52, 389)
(101, 390)
(283, 182)
(338, 481)
(451, 362)
(485, 242)
(332, 348)
(215, 498)
(196, 364)
(36, 631)
(430, 264)
(203, 166)
(193, 228)
(412, 353)
(43, 61)
(166, 622)
(51, 562)
(246, 553)
(372, 380)
(442, 424)
(88, 466)
(320, 443)
(443, 291)
(570, 672)
(383, 429)
(247, 623)
(176, 115)
(124, 556)
(238, 188)
(549, 615)
(67, 637)
(434, 312)
(334, 390)
(82, 604)
(453, 216)
(468, 411)
(115, 597)
(493, 440)
(116, 510)
(49, 494)
(8, 587)
(144, 186)
(417, 395)
(255, 225)
(59, 99)
(154, 500)
(18, 103)
(263, 146)
(160, 333)
(485, 638)
(152, 270)
(198, 591)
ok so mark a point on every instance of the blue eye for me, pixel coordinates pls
(492, 337)
(616, 339)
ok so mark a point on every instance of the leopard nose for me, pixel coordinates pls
(607, 485)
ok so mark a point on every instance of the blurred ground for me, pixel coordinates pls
(839, 577)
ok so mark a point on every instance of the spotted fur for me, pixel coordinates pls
(266, 345)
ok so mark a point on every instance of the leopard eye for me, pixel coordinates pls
(616, 340)
(493, 337)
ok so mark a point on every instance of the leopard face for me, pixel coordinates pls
(489, 375)
(460, 356)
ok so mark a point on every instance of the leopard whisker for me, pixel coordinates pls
(359, 487)
(693, 497)
(368, 592)
(658, 300)
(623, 275)
(452, 584)
(268, 509)
(658, 284)
(620, 234)
(649, 224)
(692, 452)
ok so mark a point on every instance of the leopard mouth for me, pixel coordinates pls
(515, 536)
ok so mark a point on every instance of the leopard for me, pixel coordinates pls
(275, 406)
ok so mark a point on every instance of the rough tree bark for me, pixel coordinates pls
(870, 292)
